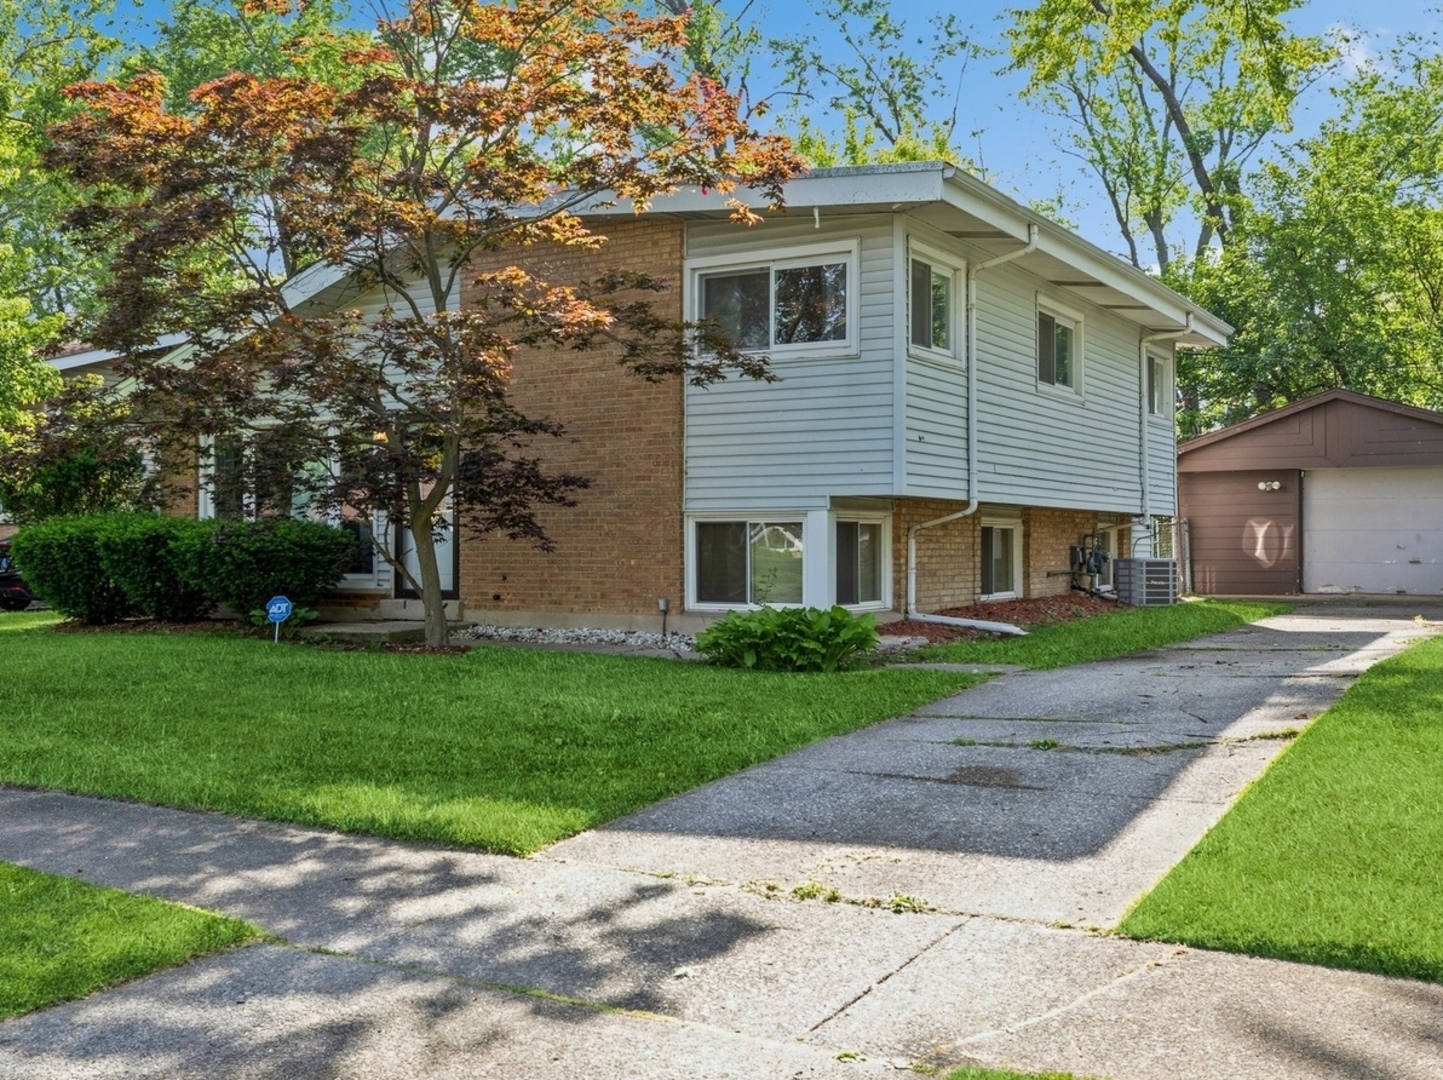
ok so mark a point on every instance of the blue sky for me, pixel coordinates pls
(1017, 145)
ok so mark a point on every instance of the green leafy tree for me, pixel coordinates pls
(469, 129)
(1167, 101)
(1335, 279)
(883, 87)
(44, 46)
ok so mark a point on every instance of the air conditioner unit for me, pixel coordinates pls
(1145, 582)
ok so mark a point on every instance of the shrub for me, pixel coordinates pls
(140, 554)
(244, 563)
(789, 639)
(61, 564)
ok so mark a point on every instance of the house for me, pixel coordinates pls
(966, 390)
(1337, 493)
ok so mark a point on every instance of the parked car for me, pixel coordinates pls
(14, 596)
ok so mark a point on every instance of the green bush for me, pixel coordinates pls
(139, 552)
(61, 563)
(242, 564)
(789, 639)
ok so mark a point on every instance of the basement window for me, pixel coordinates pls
(1001, 560)
(749, 562)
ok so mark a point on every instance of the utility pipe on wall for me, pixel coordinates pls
(1144, 465)
(971, 507)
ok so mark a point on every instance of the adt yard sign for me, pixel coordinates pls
(278, 610)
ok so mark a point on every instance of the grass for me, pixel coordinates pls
(1332, 857)
(1097, 638)
(61, 939)
(501, 749)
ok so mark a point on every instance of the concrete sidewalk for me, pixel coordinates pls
(650, 948)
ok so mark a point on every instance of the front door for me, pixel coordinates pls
(448, 556)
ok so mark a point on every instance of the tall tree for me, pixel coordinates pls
(44, 46)
(1335, 280)
(203, 40)
(883, 84)
(471, 128)
(1168, 101)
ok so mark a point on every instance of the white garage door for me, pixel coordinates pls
(1373, 530)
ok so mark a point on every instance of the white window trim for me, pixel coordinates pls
(885, 555)
(1004, 521)
(1046, 306)
(939, 260)
(783, 258)
(769, 517)
(1163, 416)
(380, 579)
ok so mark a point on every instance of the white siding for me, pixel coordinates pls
(1046, 446)
(827, 427)
(1162, 446)
(936, 429)
(830, 427)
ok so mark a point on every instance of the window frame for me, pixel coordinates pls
(381, 579)
(884, 556)
(1159, 386)
(747, 518)
(954, 267)
(1002, 521)
(789, 257)
(1059, 313)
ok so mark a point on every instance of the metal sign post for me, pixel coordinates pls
(278, 610)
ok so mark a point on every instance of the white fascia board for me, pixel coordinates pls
(882, 187)
(105, 356)
(972, 196)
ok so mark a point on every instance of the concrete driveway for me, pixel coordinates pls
(669, 943)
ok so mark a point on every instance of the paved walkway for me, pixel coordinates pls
(665, 944)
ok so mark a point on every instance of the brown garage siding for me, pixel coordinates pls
(1243, 540)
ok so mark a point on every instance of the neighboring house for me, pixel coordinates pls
(1340, 492)
(943, 352)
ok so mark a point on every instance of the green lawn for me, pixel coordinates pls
(60, 938)
(501, 749)
(1333, 856)
(1128, 630)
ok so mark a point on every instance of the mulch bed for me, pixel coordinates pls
(1041, 611)
(154, 626)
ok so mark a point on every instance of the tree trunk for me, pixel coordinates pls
(432, 601)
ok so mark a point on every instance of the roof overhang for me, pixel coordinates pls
(957, 203)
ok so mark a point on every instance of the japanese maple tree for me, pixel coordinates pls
(462, 128)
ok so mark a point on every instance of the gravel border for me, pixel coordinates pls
(585, 635)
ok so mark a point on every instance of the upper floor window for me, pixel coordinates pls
(803, 303)
(1059, 349)
(1156, 386)
(931, 319)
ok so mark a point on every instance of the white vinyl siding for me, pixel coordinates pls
(1057, 448)
(826, 428)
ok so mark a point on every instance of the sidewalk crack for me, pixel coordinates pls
(1081, 999)
(899, 968)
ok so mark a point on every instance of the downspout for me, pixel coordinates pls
(971, 508)
(1144, 465)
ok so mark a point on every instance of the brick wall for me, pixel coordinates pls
(1046, 536)
(621, 547)
(948, 556)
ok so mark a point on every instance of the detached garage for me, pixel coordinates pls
(1338, 493)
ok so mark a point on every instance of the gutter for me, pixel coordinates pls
(1142, 414)
(971, 507)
